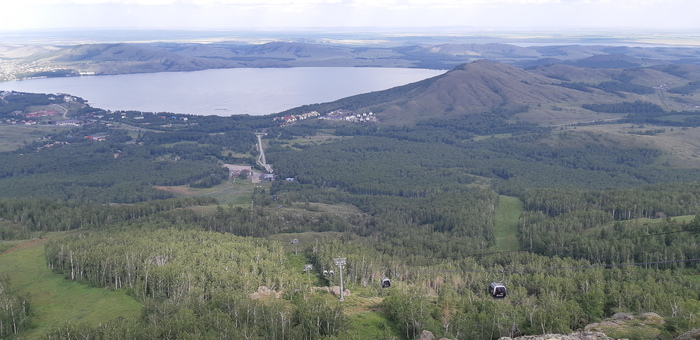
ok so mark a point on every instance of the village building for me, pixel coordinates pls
(97, 138)
(238, 170)
(69, 122)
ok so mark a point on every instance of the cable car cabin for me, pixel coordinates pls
(497, 290)
(386, 283)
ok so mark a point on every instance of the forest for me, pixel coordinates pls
(601, 227)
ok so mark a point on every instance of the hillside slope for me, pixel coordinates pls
(26, 60)
(548, 95)
(131, 58)
(483, 86)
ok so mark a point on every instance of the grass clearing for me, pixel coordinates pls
(56, 300)
(695, 278)
(638, 223)
(506, 224)
(367, 320)
(648, 221)
(236, 191)
(340, 209)
(13, 137)
(5, 245)
(319, 138)
(498, 135)
(681, 145)
(231, 153)
(305, 239)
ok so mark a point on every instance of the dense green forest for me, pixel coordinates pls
(605, 227)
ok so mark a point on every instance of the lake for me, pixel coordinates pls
(224, 92)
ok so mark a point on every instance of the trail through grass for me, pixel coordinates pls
(506, 229)
(367, 320)
(56, 300)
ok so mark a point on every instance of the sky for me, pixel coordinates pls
(301, 14)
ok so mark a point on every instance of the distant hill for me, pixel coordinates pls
(132, 58)
(612, 61)
(26, 60)
(482, 86)
(551, 94)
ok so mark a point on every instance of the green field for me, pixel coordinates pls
(304, 239)
(367, 320)
(5, 245)
(506, 229)
(236, 191)
(56, 300)
(14, 136)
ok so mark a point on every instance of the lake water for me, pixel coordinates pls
(224, 92)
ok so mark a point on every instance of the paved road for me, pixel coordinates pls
(261, 159)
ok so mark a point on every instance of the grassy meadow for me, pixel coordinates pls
(56, 300)
(13, 137)
(506, 229)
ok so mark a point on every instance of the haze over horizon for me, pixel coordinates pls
(662, 15)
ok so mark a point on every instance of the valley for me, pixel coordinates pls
(574, 185)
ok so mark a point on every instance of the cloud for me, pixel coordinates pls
(223, 14)
(358, 3)
(247, 3)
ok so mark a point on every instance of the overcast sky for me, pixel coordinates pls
(274, 14)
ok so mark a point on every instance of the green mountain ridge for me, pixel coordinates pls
(547, 95)
(26, 60)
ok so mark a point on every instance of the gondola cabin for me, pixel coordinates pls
(386, 283)
(497, 290)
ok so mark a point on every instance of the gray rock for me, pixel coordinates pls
(427, 335)
(581, 335)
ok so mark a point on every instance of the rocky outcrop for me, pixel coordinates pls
(622, 324)
(264, 292)
(690, 335)
(335, 290)
(582, 335)
(427, 335)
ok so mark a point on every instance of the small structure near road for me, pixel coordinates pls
(238, 170)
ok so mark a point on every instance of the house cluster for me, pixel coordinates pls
(294, 118)
(29, 121)
(41, 113)
(38, 116)
(69, 122)
(184, 119)
(66, 97)
(662, 87)
(351, 116)
(18, 120)
(96, 138)
(12, 70)
(50, 145)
